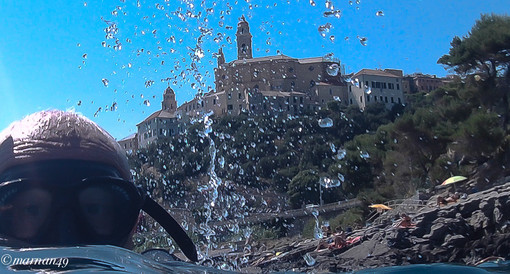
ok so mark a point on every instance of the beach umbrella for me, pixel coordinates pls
(453, 180)
(380, 207)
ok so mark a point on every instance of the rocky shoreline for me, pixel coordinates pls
(464, 232)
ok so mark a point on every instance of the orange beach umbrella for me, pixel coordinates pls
(380, 207)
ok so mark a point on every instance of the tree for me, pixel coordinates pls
(304, 188)
(485, 50)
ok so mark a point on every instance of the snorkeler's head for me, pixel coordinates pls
(58, 135)
(64, 181)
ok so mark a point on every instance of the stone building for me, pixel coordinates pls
(418, 82)
(371, 86)
(158, 125)
(270, 84)
(129, 143)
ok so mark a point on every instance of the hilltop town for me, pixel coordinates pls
(279, 85)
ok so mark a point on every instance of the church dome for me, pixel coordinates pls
(169, 90)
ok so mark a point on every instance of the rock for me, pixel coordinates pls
(478, 220)
(437, 231)
(498, 216)
(454, 240)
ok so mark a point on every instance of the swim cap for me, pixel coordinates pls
(59, 135)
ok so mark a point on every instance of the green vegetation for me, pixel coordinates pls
(381, 154)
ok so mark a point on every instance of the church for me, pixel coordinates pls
(271, 85)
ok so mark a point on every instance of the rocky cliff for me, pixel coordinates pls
(464, 232)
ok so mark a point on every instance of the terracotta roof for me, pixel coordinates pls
(375, 72)
(158, 114)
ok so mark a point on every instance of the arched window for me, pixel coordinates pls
(244, 48)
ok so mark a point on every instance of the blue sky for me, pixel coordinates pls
(52, 53)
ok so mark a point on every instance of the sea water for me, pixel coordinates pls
(88, 259)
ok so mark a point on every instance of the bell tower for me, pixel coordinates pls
(221, 57)
(244, 47)
(169, 103)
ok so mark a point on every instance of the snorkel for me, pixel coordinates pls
(56, 152)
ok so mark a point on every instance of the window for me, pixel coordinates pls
(230, 107)
(240, 96)
(361, 99)
(229, 95)
(373, 84)
(377, 84)
(368, 98)
(392, 100)
(384, 85)
(300, 100)
(399, 101)
(291, 69)
(295, 99)
(398, 87)
(214, 101)
(312, 83)
(386, 99)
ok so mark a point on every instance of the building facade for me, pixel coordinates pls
(372, 86)
(275, 85)
(418, 82)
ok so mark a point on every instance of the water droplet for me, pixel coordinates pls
(332, 69)
(147, 103)
(478, 77)
(341, 154)
(78, 45)
(328, 4)
(84, 56)
(310, 261)
(324, 29)
(329, 183)
(312, 3)
(149, 83)
(368, 90)
(341, 178)
(326, 122)
(79, 103)
(332, 38)
(379, 13)
(336, 98)
(362, 40)
(114, 106)
(364, 155)
(105, 82)
(333, 13)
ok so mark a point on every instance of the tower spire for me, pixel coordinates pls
(244, 44)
